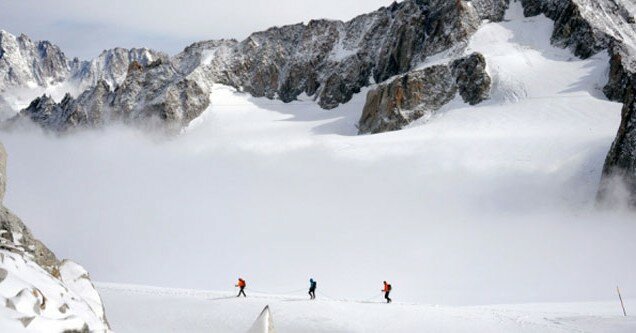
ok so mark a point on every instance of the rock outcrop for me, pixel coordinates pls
(153, 94)
(409, 97)
(41, 293)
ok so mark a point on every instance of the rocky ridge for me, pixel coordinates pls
(24, 63)
(332, 60)
(152, 94)
(329, 60)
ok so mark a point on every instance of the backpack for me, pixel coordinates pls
(388, 287)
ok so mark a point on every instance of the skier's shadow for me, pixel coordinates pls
(220, 298)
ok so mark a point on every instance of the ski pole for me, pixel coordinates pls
(621, 299)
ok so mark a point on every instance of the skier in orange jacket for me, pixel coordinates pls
(241, 284)
(387, 291)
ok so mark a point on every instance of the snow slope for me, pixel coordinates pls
(144, 309)
(476, 205)
(34, 301)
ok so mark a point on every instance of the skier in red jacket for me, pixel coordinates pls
(241, 284)
(387, 291)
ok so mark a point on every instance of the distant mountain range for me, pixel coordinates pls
(325, 59)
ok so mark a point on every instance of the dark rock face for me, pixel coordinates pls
(471, 77)
(493, 10)
(586, 26)
(393, 105)
(156, 92)
(397, 103)
(332, 60)
(622, 69)
(571, 29)
(620, 164)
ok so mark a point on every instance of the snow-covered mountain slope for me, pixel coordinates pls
(32, 300)
(151, 96)
(476, 205)
(143, 309)
(24, 63)
(329, 60)
(111, 66)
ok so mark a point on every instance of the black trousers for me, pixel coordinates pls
(312, 293)
(386, 296)
(242, 291)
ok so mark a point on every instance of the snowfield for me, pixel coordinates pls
(492, 204)
(145, 309)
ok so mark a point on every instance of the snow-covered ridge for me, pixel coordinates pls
(32, 300)
(29, 69)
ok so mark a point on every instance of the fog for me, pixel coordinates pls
(451, 216)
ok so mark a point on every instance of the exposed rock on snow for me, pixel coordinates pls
(36, 291)
(155, 92)
(472, 79)
(395, 104)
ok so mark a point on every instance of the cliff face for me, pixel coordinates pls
(332, 60)
(419, 93)
(620, 164)
(37, 291)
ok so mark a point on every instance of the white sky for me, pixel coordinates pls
(84, 28)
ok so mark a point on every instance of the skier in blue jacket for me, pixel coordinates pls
(312, 288)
